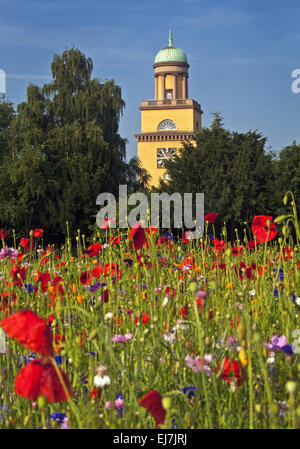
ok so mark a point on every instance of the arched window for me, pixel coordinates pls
(166, 125)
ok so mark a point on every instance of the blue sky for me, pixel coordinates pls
(241, 54)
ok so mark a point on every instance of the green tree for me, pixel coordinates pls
(288, 175)
(64, 150)
(233, 170)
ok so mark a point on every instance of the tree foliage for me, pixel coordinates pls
(234, 171)
(63, 150)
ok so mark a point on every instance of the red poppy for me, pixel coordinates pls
(3, 234)
(96, 394)
(94, 249)
(39, 378)
(187, 237)
(115, 240)
(57, 284)
(38, 233)
(44, 261)
(145, 318)
(152, 401)
(96, 271)
(219, 245)
(251, 244)
(113, 269)
(30, 331)
(18, 274)
(237, 251)
(261, 230)
(104, 296)
(288, 253)
(43, 278)
(107, 222)
(211, 217)
(231, 370)
(152, 230)
(85, 278)
(25, 243)
(137, 235)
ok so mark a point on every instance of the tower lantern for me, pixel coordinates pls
(171, 117)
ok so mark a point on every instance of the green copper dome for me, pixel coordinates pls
(170, 53)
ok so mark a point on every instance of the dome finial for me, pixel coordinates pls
(170, 38)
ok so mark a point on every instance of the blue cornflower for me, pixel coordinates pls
(29, 287)
(281, 274)
(212, 237)
(58, 417)
(275, 292)
(92, 301)
(174, 425)
(58, 359)
(169, 236)
(190, 391)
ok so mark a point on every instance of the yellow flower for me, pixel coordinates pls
(144, 295)
(229, 285)
(74, 289)
(243, 357)
(80, 299)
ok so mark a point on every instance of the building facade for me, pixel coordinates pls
(171, 117)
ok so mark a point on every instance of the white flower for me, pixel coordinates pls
(170, 338)
(271, 359)
(165, 301)
(252, 293)
(108, 316)
(297, 300)
(101, 381)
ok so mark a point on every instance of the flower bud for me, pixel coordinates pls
(166, 402)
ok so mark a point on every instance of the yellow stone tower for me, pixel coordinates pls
(171, 117)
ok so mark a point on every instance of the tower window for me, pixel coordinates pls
(169, 94)
(166, 125)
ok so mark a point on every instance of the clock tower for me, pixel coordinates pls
(171, 117)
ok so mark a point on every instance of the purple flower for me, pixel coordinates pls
(94, 287)
(8, 252)
(122, 338)
(279, 344)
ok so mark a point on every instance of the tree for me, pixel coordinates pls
(288, 174)
(233, 170)
(64, 150)
(6, 117)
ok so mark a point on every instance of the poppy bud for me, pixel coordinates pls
(193, 286)
(166, 402)
(242, 330)
(290, 386)
(41, 401)
(285, 200)
(93, 335)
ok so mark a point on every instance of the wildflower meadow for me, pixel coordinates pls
(139, 330)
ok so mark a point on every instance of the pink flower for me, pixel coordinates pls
(107, 222)
(107, 405)
(119, 403)
(122, 338)
(196, 363)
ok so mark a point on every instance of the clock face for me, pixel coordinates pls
(163, 155)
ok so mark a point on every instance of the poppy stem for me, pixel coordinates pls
(72, 405)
